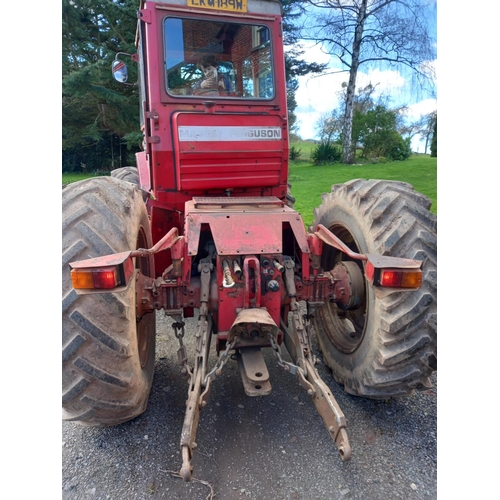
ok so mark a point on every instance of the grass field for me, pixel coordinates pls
(69, 178)
(309, 182)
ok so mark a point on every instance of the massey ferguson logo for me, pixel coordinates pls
(223, 133)
(265, 133)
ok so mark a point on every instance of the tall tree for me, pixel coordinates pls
(373, 33)
(434, 143)
(429, 131)
(97, 112)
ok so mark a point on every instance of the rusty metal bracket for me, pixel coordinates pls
(254, 373)
(298, 344)
(193, 403)
(329, 238)
(199, 382)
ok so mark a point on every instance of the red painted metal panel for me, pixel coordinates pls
(250, 228)
(227, 151)
(143, 170)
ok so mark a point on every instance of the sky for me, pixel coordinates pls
(319, 94)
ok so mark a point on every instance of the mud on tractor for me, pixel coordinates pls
(204, 226)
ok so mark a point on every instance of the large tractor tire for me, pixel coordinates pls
(387, 347)
(107, 355)
(129, 174)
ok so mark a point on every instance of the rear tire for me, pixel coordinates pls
(108, 356)
(388, 347)
(129, 174)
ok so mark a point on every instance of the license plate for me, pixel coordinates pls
(227, 5)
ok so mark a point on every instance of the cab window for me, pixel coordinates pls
(206, 58)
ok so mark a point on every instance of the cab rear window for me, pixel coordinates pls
(207, 58)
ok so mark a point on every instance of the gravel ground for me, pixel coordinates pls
(273, 447)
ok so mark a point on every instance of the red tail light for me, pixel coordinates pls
(107, 277)
(394, 278)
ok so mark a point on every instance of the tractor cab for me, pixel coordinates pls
(213, 100)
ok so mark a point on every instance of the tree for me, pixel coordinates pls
(376, 132)
(376, 127)
(430, 130)
(292, 85)
(383, 33)
(423, 127)
(329, 126)
(434, 144)
(98, 114)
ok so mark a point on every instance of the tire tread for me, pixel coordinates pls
(398, 223)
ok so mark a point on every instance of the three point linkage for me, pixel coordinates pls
(298, 344)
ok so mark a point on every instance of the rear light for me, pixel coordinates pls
(105, 277)
(102, 273)
(400, 279)
(394, 278)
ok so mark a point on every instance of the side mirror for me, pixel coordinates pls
(120, 71)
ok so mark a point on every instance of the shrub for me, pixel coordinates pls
(294, 153)
(400, 150)
(378, 159)
(325, 152)
(388, 144)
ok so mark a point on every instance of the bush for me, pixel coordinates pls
(401, 149)
(325, 152)
(388, 144)
(294, 153)
(378, 159)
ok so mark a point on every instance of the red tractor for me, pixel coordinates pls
(204, 225)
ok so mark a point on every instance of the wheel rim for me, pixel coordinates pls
(143, 325)
(344, 329)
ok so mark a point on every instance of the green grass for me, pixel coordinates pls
(69, 178)
(305, 147)
(309, 182)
